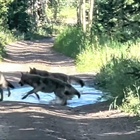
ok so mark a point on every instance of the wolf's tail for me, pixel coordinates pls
(10, 85)
(77, 80)
(77, 93)
(73, 91)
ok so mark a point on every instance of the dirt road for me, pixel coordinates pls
(24, 121)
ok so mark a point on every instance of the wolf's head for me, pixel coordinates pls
(32, 71)
(22, 81)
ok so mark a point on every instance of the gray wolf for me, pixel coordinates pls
(4, 83)
(66, 78)
(63, 91)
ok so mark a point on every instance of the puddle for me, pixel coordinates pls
(89, 95)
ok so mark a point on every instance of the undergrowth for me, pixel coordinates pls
(70, 42)
(110, 59)
(6, 37)
(131, 100)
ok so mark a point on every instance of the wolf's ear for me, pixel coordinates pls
(30, 68)
(34, 68)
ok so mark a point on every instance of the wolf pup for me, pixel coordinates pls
(4, 84)
(61, 76)
(63, 91)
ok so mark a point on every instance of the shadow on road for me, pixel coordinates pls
(36, 51)
(31, 121)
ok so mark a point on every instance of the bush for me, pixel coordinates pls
(131, 101)
(17, 16)
(5, 37)
(113, 78)
(70, 42)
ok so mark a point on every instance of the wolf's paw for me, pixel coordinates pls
(58, 101)
(52, 102)
(37, 96)
(55, 101)
(23, 97)
(9, 94)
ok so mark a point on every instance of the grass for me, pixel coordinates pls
(131, 101)
(99, 53)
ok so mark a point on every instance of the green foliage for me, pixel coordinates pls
(5, 37)
(111, 50)
(68, 12)
(20, 17)
(3, 12)
(113, 77)
(119, 19)
(70, 42)
(111, 59)
(100, 52)
(131, 101)
(97, 54)
(17, 16)
(39, 34)
(86, 61)
(65, 16)
(58, 8)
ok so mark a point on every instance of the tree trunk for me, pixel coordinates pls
(90, 19)
(84, 16)
(79, 12)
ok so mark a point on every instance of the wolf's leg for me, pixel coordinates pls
(68, 95)
(37, 95)
(60, 94)
(57, 100)
(35, 90)
(1, 91)
(9, 93)
(28, 93)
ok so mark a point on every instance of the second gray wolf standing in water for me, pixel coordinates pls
(4, 84)
(66, 78)
(63, 91)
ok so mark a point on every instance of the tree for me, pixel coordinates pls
(17, 16)
(85, 14)
(26, 15)
(117, 18)
(90, 16)
(3, 12)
